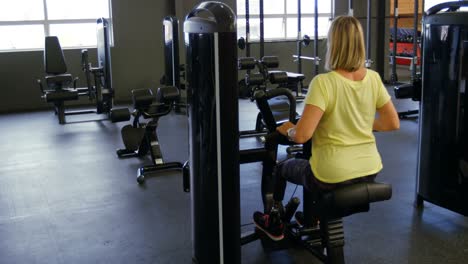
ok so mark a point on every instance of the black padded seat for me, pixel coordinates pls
(59, 81)
(350, 199)
(155, 110)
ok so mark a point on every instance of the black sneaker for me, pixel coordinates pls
(270, 224)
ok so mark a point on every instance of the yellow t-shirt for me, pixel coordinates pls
(343, 145)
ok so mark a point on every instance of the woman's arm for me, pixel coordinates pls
(387, 118)
(306, 125)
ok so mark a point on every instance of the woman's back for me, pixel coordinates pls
(343, 143)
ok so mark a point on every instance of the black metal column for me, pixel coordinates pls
(381, 44)
(414, 61)
(262, 30)
(214, 134)
(299, 37)
(317, 61)
(368, 35)
(394, 76)
(350, 8)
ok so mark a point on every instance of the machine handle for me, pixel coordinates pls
(39, 82)
(452, 6)
(280, 92)
(186, 176)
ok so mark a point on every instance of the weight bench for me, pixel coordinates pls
(140, 138)
(293, 83)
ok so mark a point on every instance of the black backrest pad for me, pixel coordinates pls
(54, 61)
(278, 77)
(142, 98)
(167, 94)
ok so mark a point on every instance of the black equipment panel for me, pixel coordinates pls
(443, 157)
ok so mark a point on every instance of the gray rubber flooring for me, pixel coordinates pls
(65, 197)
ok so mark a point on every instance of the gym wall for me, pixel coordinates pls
(137, 58)
(285, 49)
(406, 13)
(137, 54)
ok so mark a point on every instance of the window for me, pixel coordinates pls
(430, 3)
(280, 18)
(25, 23)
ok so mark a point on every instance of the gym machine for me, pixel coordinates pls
(326, 239)
(442, 171)
(415, 39)
(330, 208)
(210, 37)
(173, 70)
(61, 86)
(294, 81)
(305, 41)
(259, 81)
(215, 155)
(140, 137)
(413, 88)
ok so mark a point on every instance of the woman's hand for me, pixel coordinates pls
(283, 129)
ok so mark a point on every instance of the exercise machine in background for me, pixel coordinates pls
(259, 81)
(294, 79)
(404, 44)
(61, 86)
(305, 41)
(173, 70)
(215, 157)
(404, 91)
(141, 137)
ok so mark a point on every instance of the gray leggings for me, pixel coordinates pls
(298, 171)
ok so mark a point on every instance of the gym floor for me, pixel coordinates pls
(65, 197)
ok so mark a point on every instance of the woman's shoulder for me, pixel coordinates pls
(373, 74)
(325, 76)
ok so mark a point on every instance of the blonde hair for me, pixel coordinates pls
(345, 45)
